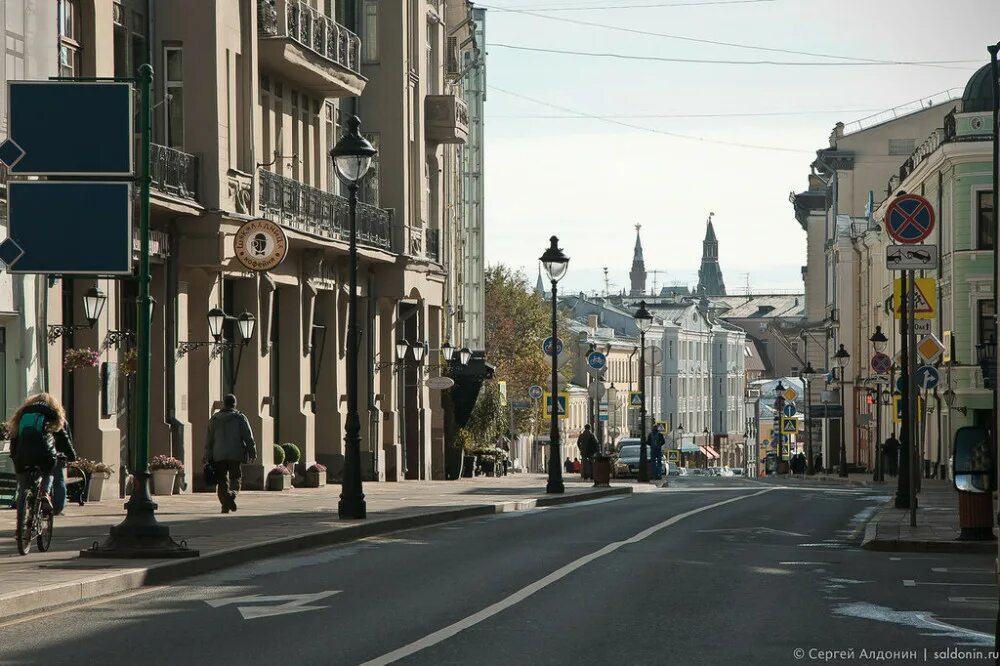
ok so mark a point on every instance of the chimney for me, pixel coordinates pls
(592, 322)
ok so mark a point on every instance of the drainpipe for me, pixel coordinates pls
(940, 316)
(169, 356)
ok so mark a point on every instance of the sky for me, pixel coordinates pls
(589, 181)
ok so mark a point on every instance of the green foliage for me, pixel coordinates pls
(489, 421)
(279, 455)
(292, 453)
(463, 440)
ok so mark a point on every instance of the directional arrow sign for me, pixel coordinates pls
(60, 128)
(294, 603)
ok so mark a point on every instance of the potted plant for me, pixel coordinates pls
(278, 478)
(464, 441)
(95, 473)
(128, 364)
(164, 469)
(279, 455)
(315, 476)
(85, 357)
(293, 454)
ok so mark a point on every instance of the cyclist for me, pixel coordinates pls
(39, 437)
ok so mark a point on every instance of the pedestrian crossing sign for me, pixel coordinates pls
(635, 399)
(673, 455)
(924, 297)
(789, 425)
(562, 400)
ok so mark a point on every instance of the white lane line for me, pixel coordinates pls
(972, 600)
(909, 583)
(971, 570)
(525, 592)
(913, 583)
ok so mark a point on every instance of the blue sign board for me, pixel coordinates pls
(535, 392)
(560, 405)
(597, 360)
(60, 128)
(789, 409)
(520, 404)
(61, 228)
(547, 346)
(927, 377)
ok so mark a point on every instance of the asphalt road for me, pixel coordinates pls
(709, 571)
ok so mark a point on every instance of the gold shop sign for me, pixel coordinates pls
(260, 245)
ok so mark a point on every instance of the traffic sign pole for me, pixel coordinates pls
(140, 534)
(911, 399)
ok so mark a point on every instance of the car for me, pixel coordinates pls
(696, 471)
(683, 471)
(737, 471)
(627, 463)
(713, 471)
(673, 469)
(725, 471)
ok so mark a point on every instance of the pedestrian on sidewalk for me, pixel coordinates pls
(568, 465)
(588, 446)
(655, 441)
(39, 437)
(890, 451)
(229, 444)
(819, 463)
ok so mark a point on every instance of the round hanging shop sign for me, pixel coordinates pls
(261, 245)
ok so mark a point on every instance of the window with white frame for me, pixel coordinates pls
(70, 47)
(173, 96)
(369, 42)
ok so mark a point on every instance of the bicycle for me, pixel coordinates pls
(33, 524)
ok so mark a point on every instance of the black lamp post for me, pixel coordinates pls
(352, 156)
(644, 320)
(776, 434)
(879, 343)
(807, 373)
(843, 359)
(555, 263)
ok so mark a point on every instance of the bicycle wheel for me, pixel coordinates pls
(44, 532)
(26, 510)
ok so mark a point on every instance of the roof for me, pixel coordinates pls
(978, 96)
(761, 307)
(754, 359)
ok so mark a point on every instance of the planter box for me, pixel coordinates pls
(489, 467)
(315, 479)
(278, 481)
(95, 487)
(163, 481)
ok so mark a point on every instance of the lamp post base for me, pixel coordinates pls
(555, 487)
(352, 508)
(903, 501)
(140, 535)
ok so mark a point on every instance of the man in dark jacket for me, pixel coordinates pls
(229, 445)
(655, 441)
(588, 446)
(890, 451)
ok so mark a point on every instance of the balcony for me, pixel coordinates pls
(174, 172)
(308, 209)
(432, 245)
(309, 49)
(446, 119)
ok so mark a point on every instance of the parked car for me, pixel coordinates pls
(738, 471)
(627, 463)
(714, 471)
(673, 469)
(725, 471)
(696, 471)
(683, 471)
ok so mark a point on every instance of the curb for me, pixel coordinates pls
(99, 585)
(873, 543)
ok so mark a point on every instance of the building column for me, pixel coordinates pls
(328, 389)
(253, 380)
(296, 420)
(204, 371)
(436, 417)
(387, 383)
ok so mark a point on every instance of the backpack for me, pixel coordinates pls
(35, 444)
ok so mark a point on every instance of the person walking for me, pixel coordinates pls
(890, 451)
(588, 445)
(656, 441)
(229, 444)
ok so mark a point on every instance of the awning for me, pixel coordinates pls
(713, 453)
(709, 452)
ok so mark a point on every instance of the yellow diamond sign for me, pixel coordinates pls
(790, 394)
(929, 348)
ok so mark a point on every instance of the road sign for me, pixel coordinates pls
(597, 390)
(929, 348)
(789, 409)
(924, 295)
(61, 128)
(547, 346)
(535, 392)
(562, 401)
(635, 399)
(60, 228)
(881, 363)
(911, 257)
(596, 361)
(897, 403)
(922, 326)
(673, 455)
(790, 394)
(927, 377)
(909, 219)
(789, 425)
(520, 404)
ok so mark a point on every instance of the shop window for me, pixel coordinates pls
(985, 219)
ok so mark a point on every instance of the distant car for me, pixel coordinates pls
(673, 469)
(714, 471)
(737, 471)
(628, 459)
(696, 471)
(683, 471)
(725, 471)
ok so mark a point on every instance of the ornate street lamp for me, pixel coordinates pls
(464, 355)
(879, 344)
(644, 320)
(806, 374)
(93, 306)
(419, 349)
(401, 348)
(216, 319)
(352, 156)
(246, 323)
(842, 358)
(447, 351)
(878, 340)
(555, 263)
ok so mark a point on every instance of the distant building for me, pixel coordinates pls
(710, 281)
(638, 272)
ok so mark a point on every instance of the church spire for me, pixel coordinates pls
(638, 272)
(710, 282)
(539, 285)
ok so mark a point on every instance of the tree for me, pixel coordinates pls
(517, 321)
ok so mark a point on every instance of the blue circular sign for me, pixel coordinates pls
(597, 360)
(789, 409)
(927, 377)
(535, 392)
(909, 218)
(547, 346)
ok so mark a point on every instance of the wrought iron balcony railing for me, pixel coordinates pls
(311, 29)
(314, 211)
(174, 172)
(432, 245)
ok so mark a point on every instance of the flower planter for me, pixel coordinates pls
(315, 479)
(468, 466)
(95, 487)
(163, 481)
(602, 471)
(489, 467)
(277, 481)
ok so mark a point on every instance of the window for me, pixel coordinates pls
(69, 38)
(986, 326)
(985, 219)
(369, 42)
(902, 146)
(130, 39)
(173, 96)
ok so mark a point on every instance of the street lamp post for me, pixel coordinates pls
(555, 263)
(879, 343)
(808, 372)
(779, 437)
(644, 320)
(842, 358)
(352, 156)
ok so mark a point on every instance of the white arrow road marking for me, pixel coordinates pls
(296, 603)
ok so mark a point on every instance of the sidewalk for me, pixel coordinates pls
(267, 524)
(937, 527)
